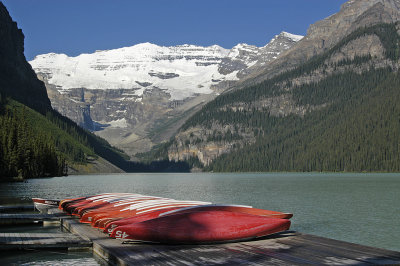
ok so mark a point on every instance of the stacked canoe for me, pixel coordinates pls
(163, 220)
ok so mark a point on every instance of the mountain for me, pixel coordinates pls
(35, 140)
(15, 71)
(326, 33)
(330, 103)
(138, 96)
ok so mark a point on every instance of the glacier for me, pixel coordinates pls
(181, 71)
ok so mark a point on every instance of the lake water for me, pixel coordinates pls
(358, 208)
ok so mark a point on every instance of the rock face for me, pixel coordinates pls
(326, 33)
(210, 141)
(17, 79)
(138, 96)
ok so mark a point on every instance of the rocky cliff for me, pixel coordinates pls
(17, 79)
(326, 33)
(35, 140)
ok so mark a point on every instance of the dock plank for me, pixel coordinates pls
(349, 251)
(14, 208)
(15, 241)
(288, 248)
(18, 218)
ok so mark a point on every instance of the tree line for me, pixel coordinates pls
(23, 153)
(356, 128)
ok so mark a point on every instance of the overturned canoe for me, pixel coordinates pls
(142, 216)
(202, 227)
(99, 220)
(43, 205)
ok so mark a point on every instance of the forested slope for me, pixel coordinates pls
(337, 112)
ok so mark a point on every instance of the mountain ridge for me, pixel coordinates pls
(135, 90)
(325, 33)
(257, 119)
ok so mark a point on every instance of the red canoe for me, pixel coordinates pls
(202, 227)
(69, 206)
(86, 216)
(107, 201)
(233, 208)
(111, 225)
(113, 203)
(120, 206)
(101, 222)
(140, 208)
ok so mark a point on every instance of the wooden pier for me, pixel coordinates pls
(17, 241)
(21, 218)
(16, 208)
(288, 248)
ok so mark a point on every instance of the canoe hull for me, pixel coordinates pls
(43, 205)
(202, 227)
(211, 207)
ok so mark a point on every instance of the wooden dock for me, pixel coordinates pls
(29, 218)
(16, 208)
(289, 248)
(17, 241)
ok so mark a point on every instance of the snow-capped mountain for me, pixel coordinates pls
(179, 70)
(134, 87)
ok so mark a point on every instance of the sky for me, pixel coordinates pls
(74, 27)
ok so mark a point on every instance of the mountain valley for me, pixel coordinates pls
(139, 96)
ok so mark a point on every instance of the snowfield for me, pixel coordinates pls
(181, 71)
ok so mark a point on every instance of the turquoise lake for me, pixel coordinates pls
(358, 208)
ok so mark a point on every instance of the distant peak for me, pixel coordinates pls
(244, 46)
(145, 45)
(291, 36)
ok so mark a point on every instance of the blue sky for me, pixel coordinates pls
(83, 26)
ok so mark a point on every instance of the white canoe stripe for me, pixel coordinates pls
(120, 197)
(147, 203)
(157, 202)
(178, 202)
(202, 206)
(128, 201)
(109, 194)
(106, 198)
(166, 207)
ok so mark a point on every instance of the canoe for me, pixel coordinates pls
(102, 222)
(109, 202)
(141, 207)
(87, 216)
(111, 225)
(43, 205)
(202, 227)
(70, 208)
(142, 216)
(233, 208)
(66, 202)
(84, 200)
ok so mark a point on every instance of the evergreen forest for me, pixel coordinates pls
(354, 124)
